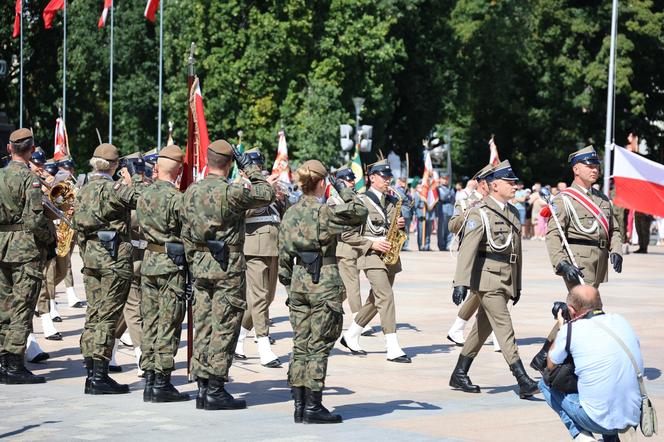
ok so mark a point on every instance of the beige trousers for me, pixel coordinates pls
(262, 272)
(380, 300)
(350, 275)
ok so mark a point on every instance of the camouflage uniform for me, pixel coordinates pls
(162, 285)
(213, 209)
(315, 309)
(103, 204)
(25, 234)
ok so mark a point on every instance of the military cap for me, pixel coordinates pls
(106, 152)
(502, 171)
(345, 174)
(38, 156)
(255, 157)
(315, 166)
(482, 173)
(221, 147)
(20, 135)
(67, 162)
(51, 168)
(151, 156)
(587, 155)
(172, 152)
(381, 168)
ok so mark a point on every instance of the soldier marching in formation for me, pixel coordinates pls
(231, 241)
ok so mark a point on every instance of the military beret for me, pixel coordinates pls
(315, 166)
(381, 168)
(221, 147)
(19, 135)
(502, 171)
(587, 155)
(345, 174)
(106, 152)
(172, 152)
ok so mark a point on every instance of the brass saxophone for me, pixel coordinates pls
(62, 196)
(395, 236)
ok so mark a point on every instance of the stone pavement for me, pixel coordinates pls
(378, 399)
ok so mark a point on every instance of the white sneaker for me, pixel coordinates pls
(455, 333)
(267, 356)
(584, 436)
(351, 339)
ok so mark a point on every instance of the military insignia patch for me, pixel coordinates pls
(470, 225)
(36, 185)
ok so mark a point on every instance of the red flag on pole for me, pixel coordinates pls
(195, 160)
(428, 192)
(280, 166)
(151, 10)
(639, 182)
(17, 20)
(61, 142)
(50, 10)
(108, 4)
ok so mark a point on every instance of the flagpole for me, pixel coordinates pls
(608, 140)
(161, 69)
(110, 81)
(20, 111)
(64, 62)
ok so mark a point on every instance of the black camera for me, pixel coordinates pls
(133, 165)
(561, 306)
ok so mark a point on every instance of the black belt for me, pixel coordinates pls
(204, 248)
(508, 259)
(12, 228)
(602, 243)
(327, 260)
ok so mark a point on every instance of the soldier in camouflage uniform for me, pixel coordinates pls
(25, 236)
(308, 239)
(102, 218)
(213, 214)
(163, 281)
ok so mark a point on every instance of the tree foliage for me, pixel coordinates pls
(531, 72)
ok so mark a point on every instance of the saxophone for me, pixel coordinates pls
(395, 236)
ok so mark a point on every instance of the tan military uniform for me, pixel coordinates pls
(347, 263)
(131, 317)
(489, 263)
(260, 251)
(381, 277)
(587, 239)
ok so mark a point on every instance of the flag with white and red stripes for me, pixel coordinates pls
(17, 19)
(50, 10)
(195, 160)
(280, 166)
(639, 182)
(61, 143)
(151, 10)
(108, 4)
(428, 192)
(494, 160)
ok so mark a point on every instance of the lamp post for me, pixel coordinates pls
(357, 102)
(363, 133)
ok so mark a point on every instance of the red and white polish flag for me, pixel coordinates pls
(494, 159)
(108, 4)
(429, 192)
(151, 10)
(639, 182)
(50, 11)
(17, 19)
(280, 166)
(60, 150)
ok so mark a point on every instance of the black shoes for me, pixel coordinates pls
(164, 391)
(202, 391)
(13, 371)
(56, 319)
(539, 361)
(217, 398)
(527, 386)
(355, 352)
(403, 359)
(41, 357)
(460, 379)
(298, 399)
(101, 383)
(89, 364)
(148, 376)
(239, 356)
(273, 364)
(54, 337)
(314, 412)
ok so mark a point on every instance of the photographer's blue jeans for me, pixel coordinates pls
(567, 406)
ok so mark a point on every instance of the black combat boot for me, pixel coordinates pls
(539, 361)
(527, 386)
(314, 412)
(164, 391)
(148, 375)
(88, 373)
(298, 398)
(101, 383)
(460, 379)
(16, 373)
(202, 391)
(217, 398)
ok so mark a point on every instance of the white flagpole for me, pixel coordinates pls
(161, 69)
(64, 62)
(110, 81)
(608, 140)
(20, 110)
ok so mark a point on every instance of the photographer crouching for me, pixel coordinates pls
(599, 393)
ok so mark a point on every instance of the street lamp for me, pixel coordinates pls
(363, 133)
